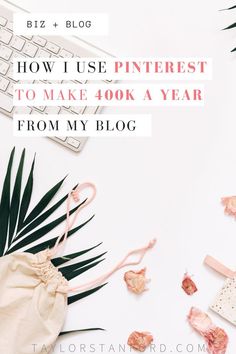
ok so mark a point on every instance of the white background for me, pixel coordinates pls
(168, 186)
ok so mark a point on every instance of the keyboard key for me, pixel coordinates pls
(5, 36)
(65, 54)
(22, 110)
(3, 84)
(68, 82)
(10, 25)
(62, 138)
(10, 88)
(43, 54)
(10, 74)
(40, 108)
(6, 102)
(73, 142)
(81, 81)
(77, 109)
(36, 112)
(30, 49)
(3, 21)
(52, 47)
(55, 82)
(17, 43)
(28, 37)
(5, 53)
(40, 41)
(3, 67)
(52, 110)
(64, 111)
(16, 55)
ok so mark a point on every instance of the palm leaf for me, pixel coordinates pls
(42, 231)
(26, 198)
(72, 299)
(230, 27)
(61, 260)
(79, 271)
(229, 8)
(233, 50)
(50, 243)
(17, 223)
(42, 204)
(81, 330)
(15, 200)
(5, 205)
(81, 264)
(40, 219)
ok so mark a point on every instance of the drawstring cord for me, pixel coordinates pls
(141, 251)
(62, 239)
(74, 194)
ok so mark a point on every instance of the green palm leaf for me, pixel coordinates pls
(230, 8)
(75, 266)
(42, 204)
(50, 243)
(5, 205)
(20, 228)
(230, 27)
(81, 330)
(26, 198)
(42, 231)
(233, 50)
(15, 200)
(72, 299)
(61, 260)
(40, 219)
(79, 271)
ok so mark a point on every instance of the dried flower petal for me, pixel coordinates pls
(215, 337)
(230, 205)
(188, 285)
(140, 340)
(136, 280)
(217, 340)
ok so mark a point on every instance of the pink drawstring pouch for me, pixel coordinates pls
(33, 301)
(224, 303)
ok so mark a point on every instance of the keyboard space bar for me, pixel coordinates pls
(6, 102)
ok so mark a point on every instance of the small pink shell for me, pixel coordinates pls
(140, 340)
(136, 280)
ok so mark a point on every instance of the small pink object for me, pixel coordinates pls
(230, 205)
(136, 280)
(215, 337)
(140, 340)
(188, 285)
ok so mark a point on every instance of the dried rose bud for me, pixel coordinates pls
(230, 205)
(140, 340)
(188, 285)
(136, 281)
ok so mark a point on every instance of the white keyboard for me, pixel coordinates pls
(13, 46)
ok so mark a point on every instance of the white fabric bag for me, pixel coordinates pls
(33, 293)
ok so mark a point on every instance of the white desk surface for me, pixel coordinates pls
(168, 186)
